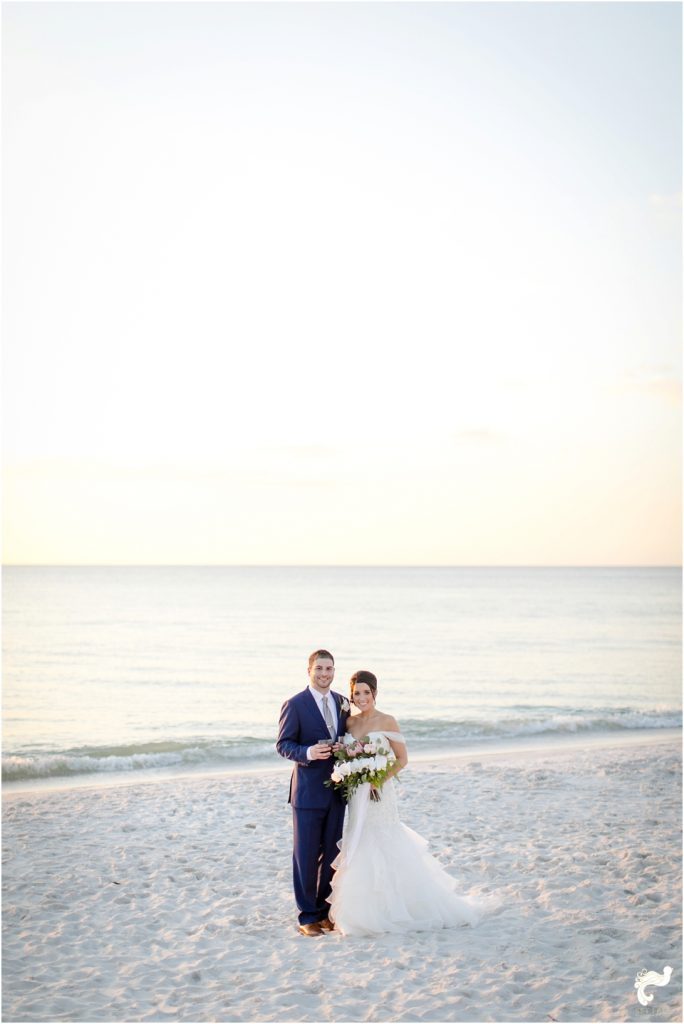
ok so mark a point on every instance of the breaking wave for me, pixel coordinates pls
(253, 751)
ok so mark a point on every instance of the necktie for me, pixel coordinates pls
(328, 717)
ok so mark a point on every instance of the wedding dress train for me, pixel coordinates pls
(385, 879)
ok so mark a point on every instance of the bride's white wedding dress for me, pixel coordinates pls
(385, 879)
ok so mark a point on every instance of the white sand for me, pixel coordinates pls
(172, 900)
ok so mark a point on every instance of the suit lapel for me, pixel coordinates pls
(315, 710)
(338, 700)
(341, 715)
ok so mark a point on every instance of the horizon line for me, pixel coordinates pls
(331, 565)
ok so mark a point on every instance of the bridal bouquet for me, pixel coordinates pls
(364, 760)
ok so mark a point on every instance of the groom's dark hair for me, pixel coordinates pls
(320, 654)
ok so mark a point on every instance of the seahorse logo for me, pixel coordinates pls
(645, 978)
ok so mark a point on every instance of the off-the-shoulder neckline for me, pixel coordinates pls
(375, 732)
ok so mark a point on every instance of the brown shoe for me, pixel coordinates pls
(327, 925)
(311, 929)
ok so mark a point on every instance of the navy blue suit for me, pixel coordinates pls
(317, 810)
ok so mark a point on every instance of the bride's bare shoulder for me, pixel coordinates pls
(389, 722)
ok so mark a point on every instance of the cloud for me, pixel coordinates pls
(667, 209)
(481, 435)
(661, 202)
(285, 482)
(302, 451)
(659, 382)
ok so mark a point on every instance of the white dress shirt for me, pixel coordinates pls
(333, 712)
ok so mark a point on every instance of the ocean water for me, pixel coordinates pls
(132, 670)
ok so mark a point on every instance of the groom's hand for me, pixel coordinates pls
(319, 751)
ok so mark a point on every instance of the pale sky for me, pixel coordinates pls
(342, 283)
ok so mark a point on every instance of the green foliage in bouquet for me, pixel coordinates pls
(364, 760)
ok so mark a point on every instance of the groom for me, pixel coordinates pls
(317, 810)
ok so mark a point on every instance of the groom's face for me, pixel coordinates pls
(321, 674)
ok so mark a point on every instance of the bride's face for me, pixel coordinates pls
(362, 696)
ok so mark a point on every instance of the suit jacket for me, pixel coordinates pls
(301, 725)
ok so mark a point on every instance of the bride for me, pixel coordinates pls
(385, 880)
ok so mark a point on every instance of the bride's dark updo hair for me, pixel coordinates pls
(364, 677)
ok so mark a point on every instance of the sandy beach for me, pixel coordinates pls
(172, 900)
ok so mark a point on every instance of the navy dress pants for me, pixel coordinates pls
(316, 833)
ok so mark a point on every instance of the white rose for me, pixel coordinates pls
(380, 762)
